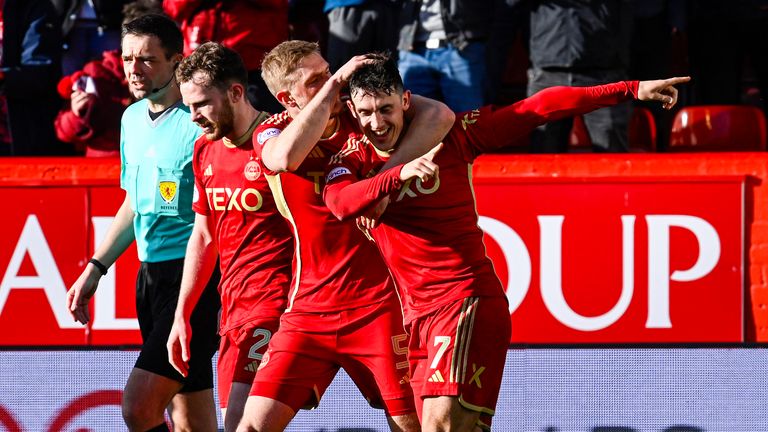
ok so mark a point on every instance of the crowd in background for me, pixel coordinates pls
(62, 87)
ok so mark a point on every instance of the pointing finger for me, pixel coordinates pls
(431, 154)
(676, 80)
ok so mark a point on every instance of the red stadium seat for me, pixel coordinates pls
(642, 131)
(579, 140)
(718, 128)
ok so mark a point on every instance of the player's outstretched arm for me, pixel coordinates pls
(118, 238)
(430, 121)
(663, 91)
(506, 124)
(199, 264)
(288, 150)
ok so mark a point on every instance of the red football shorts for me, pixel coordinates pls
(460, 350)
(240, 352)
(369, 343)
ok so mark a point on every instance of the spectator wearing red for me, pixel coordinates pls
(249, 27)
(98, 96)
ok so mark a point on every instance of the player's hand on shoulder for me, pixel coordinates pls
(663, 91)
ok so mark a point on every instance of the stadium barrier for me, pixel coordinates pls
(613, 265)
(591, 249)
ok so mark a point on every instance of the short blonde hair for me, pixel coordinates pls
(281, 62)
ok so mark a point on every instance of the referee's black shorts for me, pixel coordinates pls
(157, 292)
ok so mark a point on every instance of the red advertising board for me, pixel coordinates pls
(48, 234)
(633, 260)
(114, 305)
(44, 232)
(584, 260)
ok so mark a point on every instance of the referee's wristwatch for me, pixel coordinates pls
(101, 267)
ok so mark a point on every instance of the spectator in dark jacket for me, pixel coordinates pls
(580, 43)
(360, 26)
(249, 27)
(29, 69)
(89, 27)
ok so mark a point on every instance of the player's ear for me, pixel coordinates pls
(285, 98)
(351, 107)
(236, 92)
(406, 100)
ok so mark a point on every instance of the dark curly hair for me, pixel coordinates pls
(220, 65)
(379, 76)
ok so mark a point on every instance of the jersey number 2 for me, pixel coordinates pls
(265, 335)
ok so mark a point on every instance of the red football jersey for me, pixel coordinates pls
(254, 241)
(336, 267)
(429, 234)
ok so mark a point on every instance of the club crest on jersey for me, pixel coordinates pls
(167, 191)
(470, 118)
(264, 360)
(266, 134)
(252, 170)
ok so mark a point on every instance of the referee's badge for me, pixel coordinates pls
(168, 190)
(252, 170)
(167, 196)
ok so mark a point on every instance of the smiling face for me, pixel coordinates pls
(146, 65)
(381, 116)
(209, 107)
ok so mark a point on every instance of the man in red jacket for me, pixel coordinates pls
(249, 27)
(98, 95)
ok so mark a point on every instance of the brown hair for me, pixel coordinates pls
(220, 66)
(281, 62)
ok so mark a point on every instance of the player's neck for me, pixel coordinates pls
(245, 115)
(403, 132)
(331, 127)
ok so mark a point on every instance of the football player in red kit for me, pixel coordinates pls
(455, 307)
(237, 217)
(343, 311)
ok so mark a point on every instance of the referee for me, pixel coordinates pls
(156, 144)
